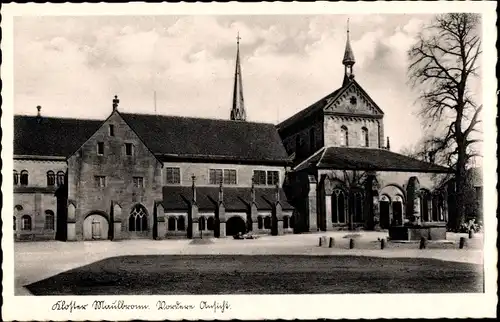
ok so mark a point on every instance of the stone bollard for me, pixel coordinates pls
(423, 243)
(351, 243)
(471, 234)
(382, 243)
(462, 242)
(320, 240)
(332, 242)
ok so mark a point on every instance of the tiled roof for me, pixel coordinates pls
(235, 199)
(183, 137)
(47, 136)
(166, 136)
(346, 158)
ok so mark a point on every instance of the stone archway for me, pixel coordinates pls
(235, 225)
(95, 227)
(385, 212)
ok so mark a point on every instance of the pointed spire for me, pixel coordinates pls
(238, 109)
(348, 60)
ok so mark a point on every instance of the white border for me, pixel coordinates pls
(270, 307)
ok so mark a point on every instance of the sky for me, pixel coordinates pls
(73, 66)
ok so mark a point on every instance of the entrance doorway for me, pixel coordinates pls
(235, 225)
(95, 227)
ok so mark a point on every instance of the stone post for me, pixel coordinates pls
(328, 211)
(193, 211)
(161, 224)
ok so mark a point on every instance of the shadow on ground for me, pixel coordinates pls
(273, 274)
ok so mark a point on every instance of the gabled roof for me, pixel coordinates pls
(324, 102)
(367, 159)
(177, 198)
(168, 137)
(48, 136)
(182, 137)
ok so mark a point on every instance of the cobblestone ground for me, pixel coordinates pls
(35, 261)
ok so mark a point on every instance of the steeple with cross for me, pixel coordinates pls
(238, 112)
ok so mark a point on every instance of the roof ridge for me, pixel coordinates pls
(59, 118)
(196, 118)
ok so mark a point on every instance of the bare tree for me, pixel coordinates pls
(442, 63)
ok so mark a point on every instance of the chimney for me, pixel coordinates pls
(115, 102)
(388, 146)
(193, 177)
(221, 192)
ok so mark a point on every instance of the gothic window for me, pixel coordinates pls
(51, 178)
(286, 222)
(138, 219)
(171, 223)
(26, 222)
(364, 136)
(173, 175)
(60, 178)
(260, 223)
(338, 206)
(16, 178)
(210, 223)
(201, 223)
(180, 223)
(344, 136)
(49, 220)
(267, 222)
(24, 178)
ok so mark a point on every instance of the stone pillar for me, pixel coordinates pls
(71, 223)
(223, 228)
(412, 201)
(117, 221)
(161, 224)
(192, 212)
(280, 227)
(196, 229)
(312, 206)
(328, 211)
(222, 221)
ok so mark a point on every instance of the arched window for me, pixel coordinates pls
(201, 223)
(24, 178)
(344, 136)
(138, 219)
(364, 136)
(15, 219)
(210, 223)
(180, 223)
(49, 220)
(51, 178)
(60, 178)
(286, 222)
(338, 206)
(267, 222)
(26, 222)
(260, 223)
(171, 223)
(16, 178)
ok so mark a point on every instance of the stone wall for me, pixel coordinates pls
(37, 170)
(34, 205)
(333, 125)
(119, 170)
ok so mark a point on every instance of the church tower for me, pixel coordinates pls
(348, 60)
(238, 109)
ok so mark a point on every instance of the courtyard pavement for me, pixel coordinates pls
(35, 261)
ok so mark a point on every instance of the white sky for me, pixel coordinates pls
(73, 66)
